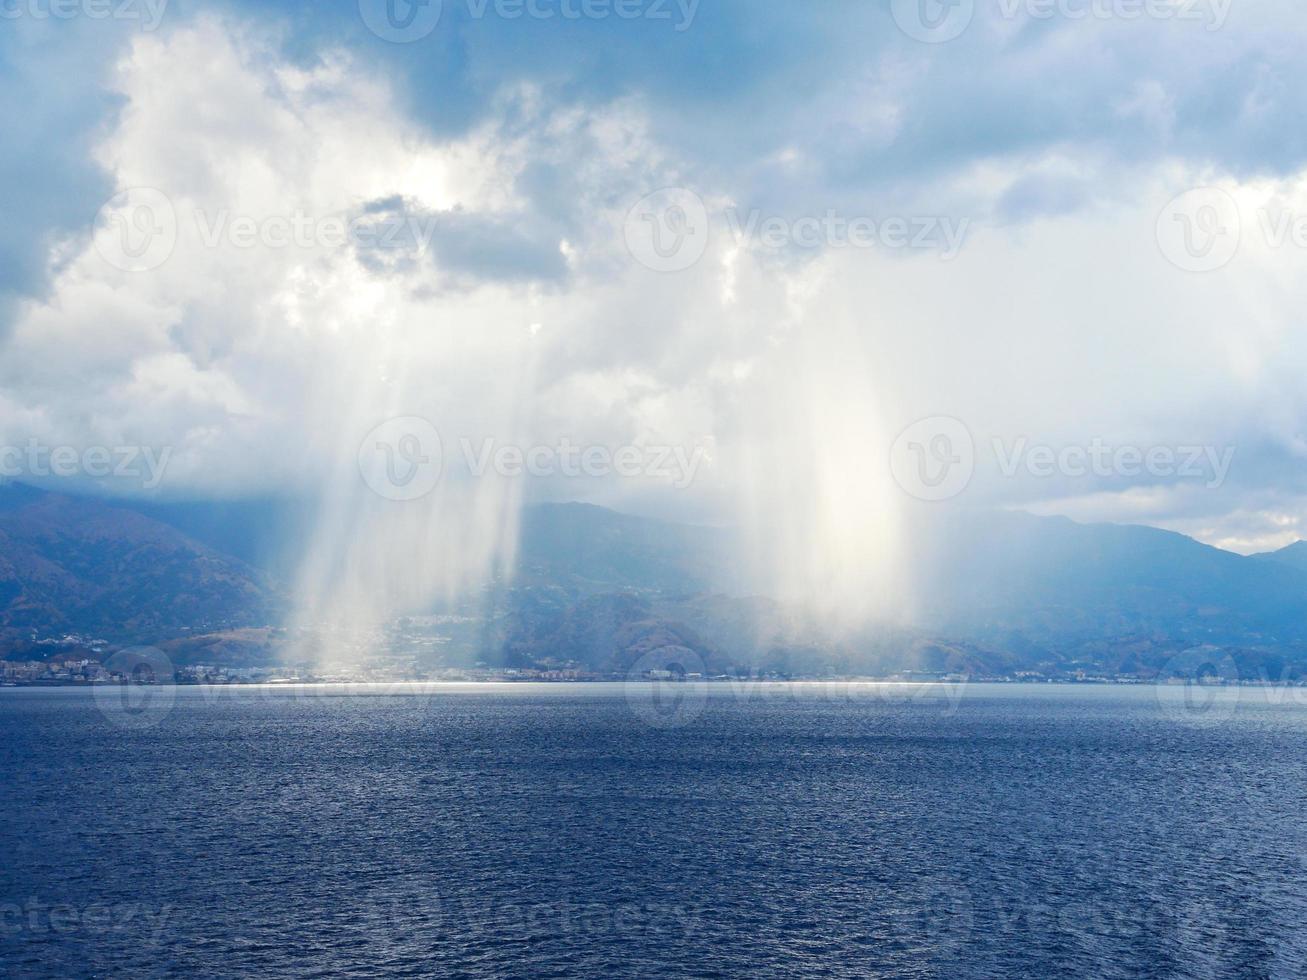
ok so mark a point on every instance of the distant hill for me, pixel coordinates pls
(1294, 555)
(80, 565)
(612, 632)
(1053, 590)
(588, 549)
(267, 533)
(995, 593)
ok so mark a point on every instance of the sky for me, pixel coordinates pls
(801, 267)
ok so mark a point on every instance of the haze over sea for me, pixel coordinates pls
(608, 830)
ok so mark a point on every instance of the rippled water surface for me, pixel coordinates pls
(591, 831)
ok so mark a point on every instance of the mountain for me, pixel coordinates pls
(1294, 555)
(268, 534)
(998, 568)
(79, 565)
(994, 593)
(612, 632)
(589, 549)
(1115, 596)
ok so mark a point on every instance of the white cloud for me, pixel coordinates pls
(1060, 320)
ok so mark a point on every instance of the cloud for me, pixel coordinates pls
(49, 185)
(508, 156)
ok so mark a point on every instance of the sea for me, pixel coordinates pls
(715, 829)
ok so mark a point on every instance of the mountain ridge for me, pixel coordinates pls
(82, 565)
(1293, 554)
(998, 592)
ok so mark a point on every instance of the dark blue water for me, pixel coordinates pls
(578, 831)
